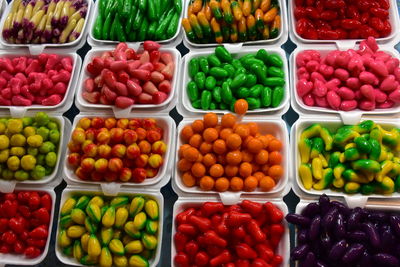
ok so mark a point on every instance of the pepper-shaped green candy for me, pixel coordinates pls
(364, 127)
(327, 137)
(317, 147)
(386, 167)
(68, 206)
(78, 216)
(63, 239)
(138, 261)
(338, 183)
(395, 170)
(376, 134)
(106, 235)
(260, 73)
(375, 149)
(362, 144)
(326, 181)
(366, 165)
(151, 208)
(352, 176)
(136, 206)
(306, 175)
(311, 131)
(390, 138)
(341, 138)
(116, 247)
(351, 154)
(108, 219)
(77, 250)
(117, 202)
(223, 54)
(351, 187)
(105, 259)
(94, 212)
(367, 189)
(338, 171)
(149, 241)
(334, 159)
(134, 247)
(82, 202)
(316, 168)
(94, 248)
(387, 185)
(130, 229)
(305, 146)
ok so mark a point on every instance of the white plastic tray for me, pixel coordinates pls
(348, 117)
(187, 105)
(183, 204)
(71, 190)
(66, 103)
(393, 18)
(173, 41)
(278, 41)
(36, 49)
(64, 124)
(274, 126)
(163, 175)
(82, 104)
(20, 259)
(332, 124)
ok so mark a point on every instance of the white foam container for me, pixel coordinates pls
(164, 173)
(55, 176)
(393, 18)
(167, 105)
(185, 106)
(348, 117)
(173, 41)
(96, 190)
(333, 123)
(278, 41)
(184, 203)
(21, 260)
(267, 125)
(66, 103)
(36, 49)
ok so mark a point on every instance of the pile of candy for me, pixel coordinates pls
(31, 80)
(124, 76)
(342, 19)
(109, 232)
(221, 82)
(41, 22)
(24, 222)
(346, 80)
(229, 155)
(232, 21)
(355, 158)
(331, 234)
(137, 20)
(28, 147)
(240, 235)
(128, 150)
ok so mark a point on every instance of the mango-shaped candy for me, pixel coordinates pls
(130, 229)
(66, 221)
(103, 210)
(97, 201)
(106, 235)
(85, 242)
(117, 247)
(77, 250)
(136, 206)
(139, 222)
(151, 208)
(89, 260)
(120, 261)
(119, 202)
(105, 259)
(126, 239)
(121, 216)
(78, 216)
(134, 247)
(76, 231)
(151, 227)
(90, 226)
(108, 219)
(93, 211)
(63, 239)
(138, 261)
(149, 241)
(94, 248)
(69, 204)
(83, 201)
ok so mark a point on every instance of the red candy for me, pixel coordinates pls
(124, 77)
(346, 80)
(24, 222)
(247, 234)
(42, 80)
(342, 19)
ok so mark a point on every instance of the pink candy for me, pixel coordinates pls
(39, 80)
(346, 80)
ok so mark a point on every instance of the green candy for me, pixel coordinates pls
(205, 100)
(277, 96)
(203, 64)
(266, 97)
(193, 91)
(200, 80)
(210, 83)
(226, 93)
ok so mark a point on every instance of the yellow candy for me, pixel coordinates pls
(76, 231)
(134, 247)
(94, 248)
(105, 259)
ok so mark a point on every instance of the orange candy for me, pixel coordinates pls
(236, 184)
(198, 126)
(233, 141)
(188, 179)
(216, 170)
(205, 148)
(184, 165)
(241, 106)
(231, 171)
(267, 183)
(262, 157)
(209, 159)
(276, 172)
(245, 169)
(275, 158)
(228, 120)
(254, 145)
(206, 183)
(250, 183)
(187, 132)
(210, 120)
(225, 133)
(253, 127)
(275, 145)
(196, 140)
(210, 135)
(198, 170)
(191, 154)
(242, 130)
(219, 146)
(234, 157)
(222, 184)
